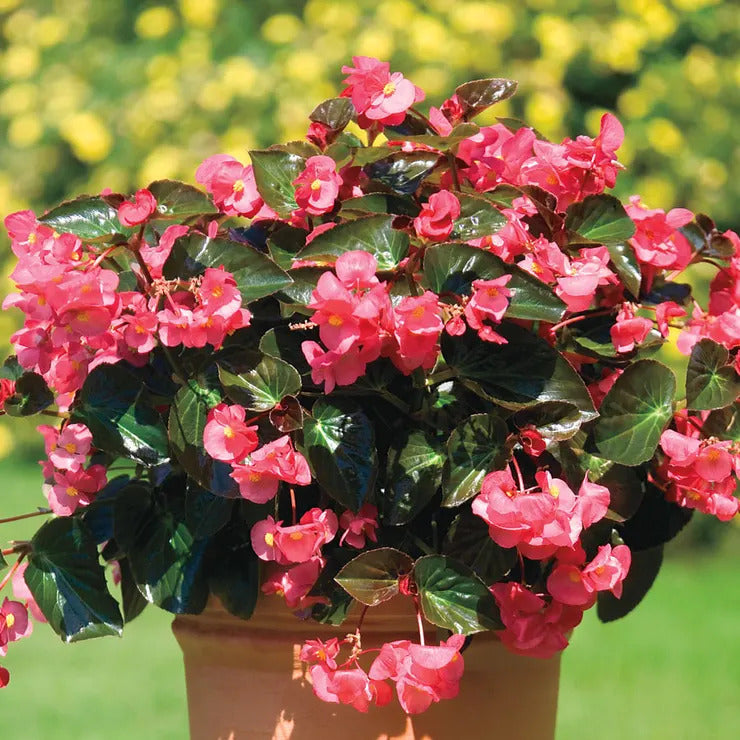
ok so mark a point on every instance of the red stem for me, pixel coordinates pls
(295, 518)
(13, 569)
(518, 470)
(42, 512)
(419, 622)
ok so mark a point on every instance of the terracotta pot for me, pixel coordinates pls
(246, 682)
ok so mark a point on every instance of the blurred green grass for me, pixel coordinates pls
(670, 671)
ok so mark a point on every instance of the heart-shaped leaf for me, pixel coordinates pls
(634, 413)
(478, 217)
(452, 268)
(373, 576)
(711, 383)
(453, 597)
(256, 381)
(178, 200)
(599, 219)
(524, 372)
(67, 581)
(402, 172)
(31, 396)
(120, 415)
(274, 172)
(334, 113)
(374, 234)
(339, 442)
(413, 476)
(255, 273)
(475, 448)
(89, 217)
(477, 95)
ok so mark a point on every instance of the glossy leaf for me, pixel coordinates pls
(334, 113)
(453, 597)
(255, 273)
(373, 234)
(477, 95)
(89, 217)
(256, 381)
(599, 219)
(478, 217)
(372, 577)
(381, 203)
(469, 542)
(414, 473)
(711, 383)
(186, 423)
(554, 420)
(67, 581)
(31, 396)
(120, 415)
(403, 172)
(475, 448)
(452, 268)
(625, 262)
(339, 441)
(442, 143)
(724, 423)
(234, 573)
(178, 200)
(285, 344)
(642, 574)
(205, 513)
(524, 372)
(274, 172)
(635, 412)
(165, 557)
(132, 602)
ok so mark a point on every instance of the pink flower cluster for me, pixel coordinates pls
(285, 546)
(379, 96)
(701, 473)
(14, 625)
(231, 184)
(69, 484)
(570, 170)
(539, 521)
(358, 323)
(227, 437)
(423, 674)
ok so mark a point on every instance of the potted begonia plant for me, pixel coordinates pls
(399, 386)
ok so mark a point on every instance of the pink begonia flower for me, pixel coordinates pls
(226, 437)
(356, 269)
(532, 626)
(14, 623)
(342, 366)
(584, 275)
(69, 450)
(359, 526)
(137, 212)
(600, 388)
(218, 292)
(294, 583)
(155, 257)
(276, 461)
(317, 651)
(232, 185)
(7, 389)
(488, 303)
(437, 217)
(4, 677)
(666, 311)
(317, 187)
(74, 488)
(295, 544)
(629, 330)
(378, 95)
(140, 332)
(348, 686)
(320, 229)
(417, 327)
(423, 674)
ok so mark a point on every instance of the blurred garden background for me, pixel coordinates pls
(117, 93)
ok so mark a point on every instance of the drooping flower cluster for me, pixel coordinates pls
(422, 674)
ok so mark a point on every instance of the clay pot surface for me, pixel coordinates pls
(245, 682)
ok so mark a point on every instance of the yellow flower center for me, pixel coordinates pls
(70, 447)
(418, 312)
(492, 292)
(228, 432)
(713, 454)
(9, 620)
(32, 238)
(255, 478)
(335, 320)
(83, 316)
(296, 536)
(389, 89)
(600, 570)
(554, 491)
(238, 186)
(316, 184)
(71, 491)
(139, 329)
(575, 576)
(217, 292)
(269, 539)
